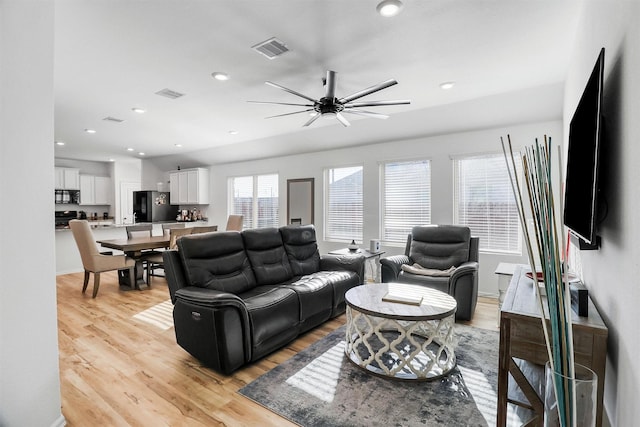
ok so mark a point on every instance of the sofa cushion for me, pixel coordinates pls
(439, 283)
(302, 248)
(216, 261)
(274, 314)
(440, 247)
(339, 281)
(316, 300)
(267, 256)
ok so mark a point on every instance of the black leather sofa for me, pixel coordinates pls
(240, 296)
(439, 247)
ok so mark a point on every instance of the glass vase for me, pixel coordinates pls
(585, 386)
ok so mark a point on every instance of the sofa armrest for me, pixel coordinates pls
(209, 298)
(464, 269)
(173, 272)
(392, 266)
(214, 327)
(353, 263)
(463, 286)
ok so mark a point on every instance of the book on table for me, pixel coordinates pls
(402, 299)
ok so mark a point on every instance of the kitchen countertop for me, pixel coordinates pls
(108, 223)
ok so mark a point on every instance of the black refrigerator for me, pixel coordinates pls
(153, 206)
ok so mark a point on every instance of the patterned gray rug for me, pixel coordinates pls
(320, 387)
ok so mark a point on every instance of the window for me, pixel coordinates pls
(483, 201)
(406, 198)
(256, 198)
(343, 204)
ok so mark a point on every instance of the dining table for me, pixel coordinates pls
(135, 248)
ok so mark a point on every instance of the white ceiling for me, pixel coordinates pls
(113, 55)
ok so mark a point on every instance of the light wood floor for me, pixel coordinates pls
(119, 371)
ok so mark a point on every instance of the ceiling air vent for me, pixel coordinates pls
(271, 48)
(172, 94)
(113, 119)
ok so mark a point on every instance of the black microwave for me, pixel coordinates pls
(67, 196)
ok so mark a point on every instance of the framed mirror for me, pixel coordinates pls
(300, 195)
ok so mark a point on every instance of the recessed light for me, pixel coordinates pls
(220, 76)
(388, 8)
(90, 130)
(447, 85)
(59, 143)
(112, 160)
(129, 149)
(178, 145)
(139, 110)
(233, 132)
(141, 153)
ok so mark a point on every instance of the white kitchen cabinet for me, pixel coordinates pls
(94, 190)
(67, 179)
(174, 187)
(102, 190)
(189, 186)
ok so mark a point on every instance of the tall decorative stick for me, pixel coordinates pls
(538, 180)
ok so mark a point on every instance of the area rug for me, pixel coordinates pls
(160, 315)
(320, 387)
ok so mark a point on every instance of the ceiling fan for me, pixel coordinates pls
(330, 106)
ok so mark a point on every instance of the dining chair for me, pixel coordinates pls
(92, 260)
(167, 227)
(234, 222)
(141, 230)
(155, 261)
(204, 229)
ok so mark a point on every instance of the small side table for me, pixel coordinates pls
(372, 264)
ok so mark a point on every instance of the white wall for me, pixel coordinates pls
(153, 177)
(438, 149)
(124, 171)
(29, 377)
(86, 167)
(611, 273)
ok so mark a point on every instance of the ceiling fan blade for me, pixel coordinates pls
(342, 120)
(293, 92)
(289, 114)
(280, 103)
(377, 103)
(368, 91)
(312, 119)
(330, 84)
(366, 113)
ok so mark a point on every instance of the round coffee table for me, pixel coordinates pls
(407, 341)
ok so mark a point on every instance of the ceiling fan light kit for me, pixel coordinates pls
(388, 8)
(330, 106)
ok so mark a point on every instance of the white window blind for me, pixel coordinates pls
(267, 201)
(256, 198)
(484, 201)
(406, 198)
(343, 204)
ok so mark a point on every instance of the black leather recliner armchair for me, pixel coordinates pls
(439, 247)
(239, 296)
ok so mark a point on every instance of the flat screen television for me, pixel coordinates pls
(585, 138)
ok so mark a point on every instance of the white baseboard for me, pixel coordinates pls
(488, 295)
(60, 422)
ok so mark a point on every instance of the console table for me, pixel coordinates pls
(523, 350)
